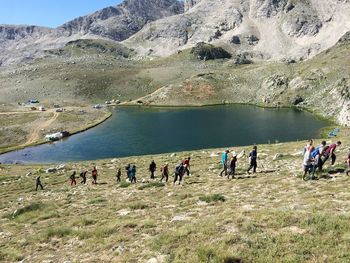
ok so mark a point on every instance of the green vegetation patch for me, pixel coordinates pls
(212, 198)
(151, 185)
(204, 51)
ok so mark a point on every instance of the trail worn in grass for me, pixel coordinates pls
(271, 216)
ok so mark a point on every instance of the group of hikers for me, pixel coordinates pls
(229, 166)
(315, 157)
(180, 170)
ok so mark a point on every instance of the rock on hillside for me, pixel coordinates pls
(23, 43)
(269, 29)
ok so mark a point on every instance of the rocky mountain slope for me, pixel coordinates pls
(266, 29)
(23, 43)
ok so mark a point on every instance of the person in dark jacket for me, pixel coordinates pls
(38, 183)
(152, 169)
(232, 168)
(83, 177)
(118, 175)
(72, 179)
(253, 155)
(179, 173)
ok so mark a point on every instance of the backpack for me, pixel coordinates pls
(315, 152)
(179, 168)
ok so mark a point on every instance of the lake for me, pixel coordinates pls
(142, 130)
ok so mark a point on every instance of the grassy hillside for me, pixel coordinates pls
(271, 216)
(95, 71)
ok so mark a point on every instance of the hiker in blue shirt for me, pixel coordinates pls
(224, 158)
(253, 155)
(132, 174)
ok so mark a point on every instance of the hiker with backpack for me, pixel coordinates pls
(152, 169)
(179, 173)
(94, 175)
(319, 151)
(224, 158)
(72, 179)
(232, 166)
(186, 163)
(38, 183)
(165, 172)
(253, 156)
(83, 177)
(132, 174)
(118, 175)
(329, 152)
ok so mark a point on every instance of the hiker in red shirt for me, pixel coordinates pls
(94, 175)
(187, 166)
(165, 173)
(330, 152)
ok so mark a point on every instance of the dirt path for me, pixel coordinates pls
(35, 135)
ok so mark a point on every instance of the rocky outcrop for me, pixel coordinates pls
(22, 43)
(188, 4)
(277, 29)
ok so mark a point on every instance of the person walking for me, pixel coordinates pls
(127, 169)
(329, 152)
(179, 172)
(152, 169)
(253, 156)
(320, 151)
(307, 162)
(132, 174)
(72, 179)
(94, 175)
(165, 172)
(187, 166)
(224, 157)
(232, 167)
(348, 163)
(83, 177)
(118, 175)
(38, 183)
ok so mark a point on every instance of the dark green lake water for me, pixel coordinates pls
(139, 131)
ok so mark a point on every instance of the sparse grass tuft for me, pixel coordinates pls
(29, 208)
(138, 206)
